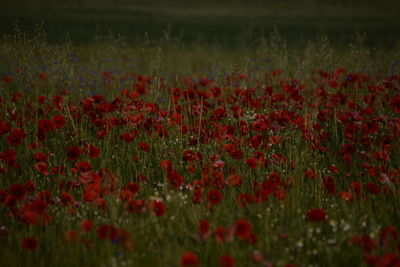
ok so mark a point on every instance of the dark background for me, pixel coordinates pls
(228, 23)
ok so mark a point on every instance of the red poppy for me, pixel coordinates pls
(18, 191)
(356, 187)
(252, 163)
(44, 195)
(94, 152)
(189, 155)
(214, 196)
(73, 153)
(346, 196)
(243, 229)
(388, 236)
(197, 195)
(235, 180)
(4, 127)
(328, 184)
(365, 241)
(223, 234)
(16, 137)
(244, 199)
(372, 188)
(86, 225)
(40, 157)
(45, 125)
(395, 103)
(66, 199)
(71, 236)
(30, 187)
(189, 259)
(219, 113)
(59, 121)
(157, 208)
(107, 232)
(133, 187)
(226, 261)
(83, 166)
(30, 243)
(175, 179)
(6, 79)
(42, 168)
(316, 215)
(125, 195)
(215, 91)
(258, 257)
(144, 146)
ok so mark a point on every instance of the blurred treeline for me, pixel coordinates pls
(229, 23)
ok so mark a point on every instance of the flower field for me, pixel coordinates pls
(161, 156)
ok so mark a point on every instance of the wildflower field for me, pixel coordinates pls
(167, 155)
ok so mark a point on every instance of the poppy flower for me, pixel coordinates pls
(395, 104)
(189, 155)
(30, 217)
(133, 187)
(226, 261)
(388, 236)
(197, 195)
(106, 232)
(157, 208)
(252, 163)
(16, 137)
(235, 180)
(316, 215)
(125, 195)
(328, 184)
(71, 236)
(18, 191)
(346, 196)
(204, 228)
(242, 229)
(94, 152)
(44, 195)
(219, 113)
(66, 199)
(30, 243)
(214, 196)
(59, 121)
(83, 166)
(189, 259)
(366, 242)
(73, 153)
(175, 179)
(86, 225)
(30, 187)
(45, 125)
(4, 127)
(42, 168)
(144, 146)
(356, 187)
(372, 188)
(6, 79)
(223, 234)
(215, 91)
(40, 157)
(244, 200)
(258, 257)
(127, 137)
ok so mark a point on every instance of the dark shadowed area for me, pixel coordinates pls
(228, 23)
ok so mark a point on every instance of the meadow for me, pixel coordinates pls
(173, 152)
